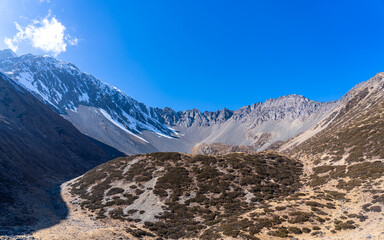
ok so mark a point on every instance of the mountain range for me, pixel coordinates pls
(107, 114)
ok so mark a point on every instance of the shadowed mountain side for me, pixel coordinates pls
(38, 151)
(112, 152)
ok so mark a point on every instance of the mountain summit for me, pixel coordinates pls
(7, 53)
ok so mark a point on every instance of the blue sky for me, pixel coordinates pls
(210, 54)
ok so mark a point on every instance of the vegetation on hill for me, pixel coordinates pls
(195, 192)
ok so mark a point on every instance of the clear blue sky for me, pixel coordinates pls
(215, 54)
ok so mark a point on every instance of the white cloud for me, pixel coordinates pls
(47, 34)
(10, 44)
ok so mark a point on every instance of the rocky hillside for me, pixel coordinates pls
(352, 132)
(110, 116)
(38, 151)
(344, 153)
(236, 196)
(174, 195)
(286, 107)
(346, 147)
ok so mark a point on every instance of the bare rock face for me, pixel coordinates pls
(194, 117)
(286, 107)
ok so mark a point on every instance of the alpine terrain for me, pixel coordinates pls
(105, 113)
(288, 168)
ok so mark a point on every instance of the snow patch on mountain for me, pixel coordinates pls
(120, 126)
(26, 79)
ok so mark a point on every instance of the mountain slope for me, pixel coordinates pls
(100, 125)
(345, 150)
(344, 153)
(352, 131)
(38, 150)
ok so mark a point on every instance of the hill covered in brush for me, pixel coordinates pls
(176, 195)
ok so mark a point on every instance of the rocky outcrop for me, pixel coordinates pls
(194, 117)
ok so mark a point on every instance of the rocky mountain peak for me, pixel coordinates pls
(7, 53)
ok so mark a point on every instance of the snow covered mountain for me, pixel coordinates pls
(110, 116)
(64, 87)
